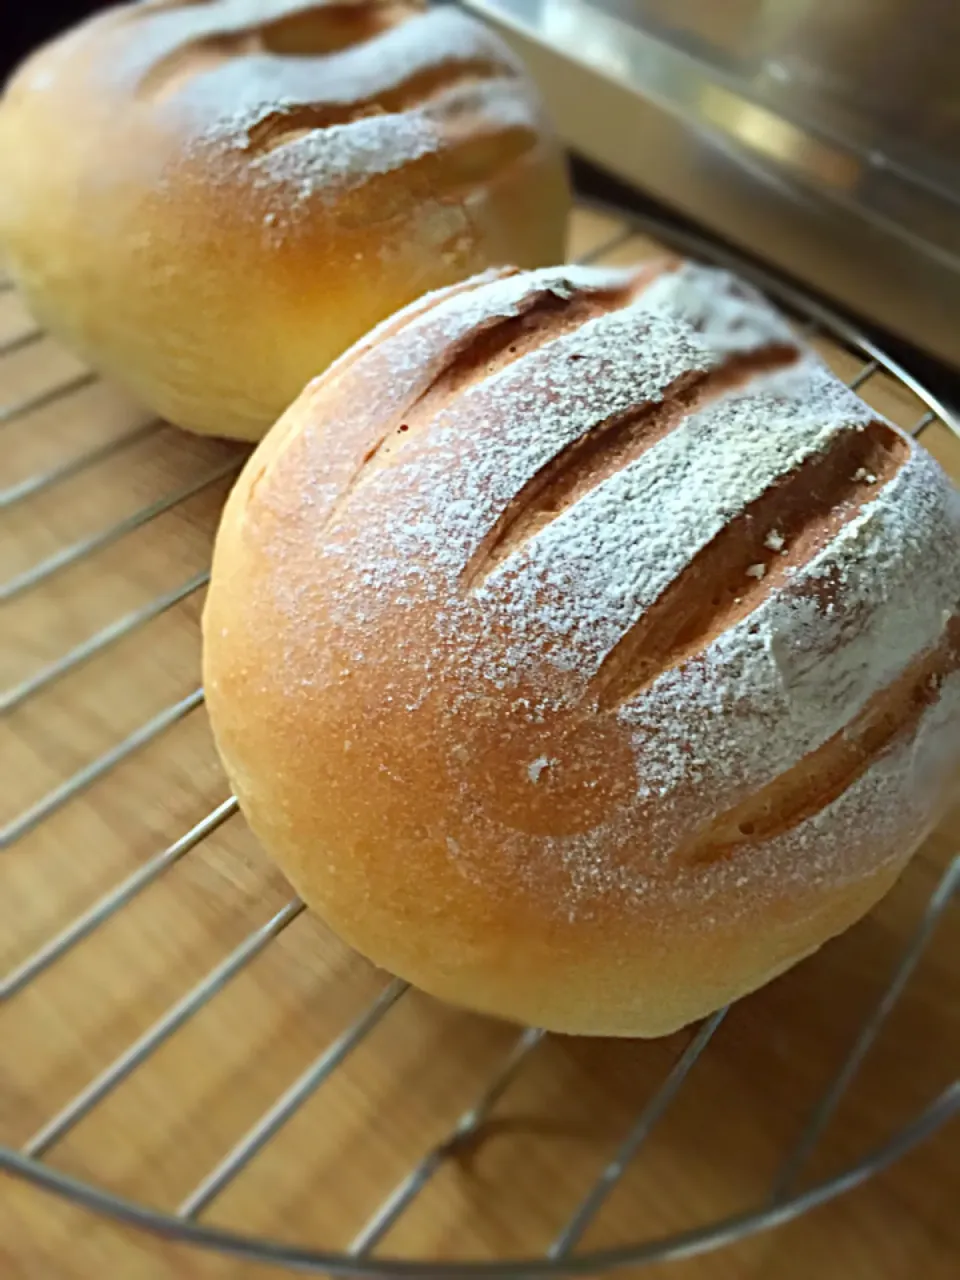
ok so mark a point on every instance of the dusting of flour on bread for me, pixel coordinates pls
(531, 632)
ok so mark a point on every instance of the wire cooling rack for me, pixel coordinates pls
(783, 1198)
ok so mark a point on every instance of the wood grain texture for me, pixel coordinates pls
(323, 1175)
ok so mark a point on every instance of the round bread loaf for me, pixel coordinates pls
(583, 650)
(211, 201)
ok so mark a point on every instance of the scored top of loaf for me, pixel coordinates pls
(316, 97)
(607, 493)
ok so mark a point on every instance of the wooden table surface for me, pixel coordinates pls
(324, 1174)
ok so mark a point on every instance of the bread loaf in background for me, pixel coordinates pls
(212, 201)
(583, 650)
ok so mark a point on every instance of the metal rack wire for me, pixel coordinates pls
(783, 1202)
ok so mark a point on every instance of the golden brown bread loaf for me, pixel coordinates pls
(212, 201)
(583, 650)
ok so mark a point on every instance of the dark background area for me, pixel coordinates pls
(24, 26)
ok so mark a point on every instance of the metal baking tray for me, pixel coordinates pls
(822, 138)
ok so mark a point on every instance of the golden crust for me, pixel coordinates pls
(212, 221)
(457, 802)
